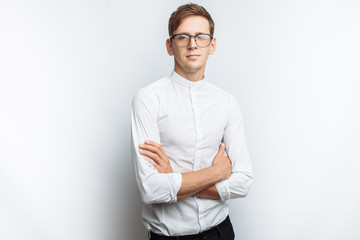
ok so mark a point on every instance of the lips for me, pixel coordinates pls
(193, 56)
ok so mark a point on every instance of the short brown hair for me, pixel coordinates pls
(186, 10)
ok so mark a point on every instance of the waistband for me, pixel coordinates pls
(202, 235)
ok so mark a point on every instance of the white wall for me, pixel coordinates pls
(69, 70)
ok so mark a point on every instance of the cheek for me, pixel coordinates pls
(205, 58)
(179, 55)
(206, 54)
(178, 58)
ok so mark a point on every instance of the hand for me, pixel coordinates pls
(222, 163)
(157, 155)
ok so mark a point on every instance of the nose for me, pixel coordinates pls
(192, 43)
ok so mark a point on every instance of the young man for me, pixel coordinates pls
(181, 127)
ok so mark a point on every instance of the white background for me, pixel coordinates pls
(69, 70)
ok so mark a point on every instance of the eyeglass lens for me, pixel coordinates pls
(183, 40)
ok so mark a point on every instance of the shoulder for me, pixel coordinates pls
(219, 92)
(150, 92)
(228, 99)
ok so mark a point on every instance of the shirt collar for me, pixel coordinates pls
(185, 82)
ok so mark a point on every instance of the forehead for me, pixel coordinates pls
(193, 24)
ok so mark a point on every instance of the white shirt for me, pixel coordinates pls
(190, 120)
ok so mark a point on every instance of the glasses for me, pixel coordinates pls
(201, 39)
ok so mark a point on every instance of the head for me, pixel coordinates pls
(190, 19)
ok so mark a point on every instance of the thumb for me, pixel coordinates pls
(221, 149)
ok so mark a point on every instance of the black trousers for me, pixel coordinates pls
(223, 231)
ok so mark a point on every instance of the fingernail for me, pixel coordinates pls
(222, 144)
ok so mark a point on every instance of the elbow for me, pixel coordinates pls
(245, 193)
(152, 197)
(154, 190)
(241, 193)
(147, 198)
(243, 187)
(247, 187)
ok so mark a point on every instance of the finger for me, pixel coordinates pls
(151, 155)
(149, 148)
(154, 164)
(152, 143)
(149, 161)
(154, 147)
(228, 158)
(158, 145)
(221, 149)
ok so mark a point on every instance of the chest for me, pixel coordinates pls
(192, 123)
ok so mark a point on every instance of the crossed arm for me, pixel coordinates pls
(156, 180)
(199, 183)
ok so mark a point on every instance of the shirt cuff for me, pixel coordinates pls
(175, 184)
(223, 190)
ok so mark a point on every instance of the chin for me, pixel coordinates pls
(195, 67)
(194, 70)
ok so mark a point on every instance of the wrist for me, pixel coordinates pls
(218, 174)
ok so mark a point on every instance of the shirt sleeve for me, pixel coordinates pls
(154, 187)
(238, 184)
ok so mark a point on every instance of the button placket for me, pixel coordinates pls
(196, 111)
(193, 105)
(196, 124)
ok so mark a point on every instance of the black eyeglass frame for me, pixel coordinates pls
(193, 36)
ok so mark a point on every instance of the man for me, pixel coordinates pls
(181, 127)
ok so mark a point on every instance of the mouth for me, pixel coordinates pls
(192, 56)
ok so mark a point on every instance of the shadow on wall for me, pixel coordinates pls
(130, 216)
(127, 208)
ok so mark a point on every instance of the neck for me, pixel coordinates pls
(192, 76)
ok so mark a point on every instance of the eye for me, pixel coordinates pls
(202, 36)
(182, 37)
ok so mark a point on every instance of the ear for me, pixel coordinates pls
(212, 46)
(169, 47)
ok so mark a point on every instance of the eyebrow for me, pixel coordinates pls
(191, 34)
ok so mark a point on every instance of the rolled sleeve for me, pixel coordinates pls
(238, 185)
(154, 187)
(223, 190)
(175, 184)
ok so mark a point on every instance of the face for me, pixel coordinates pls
(191, 59)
